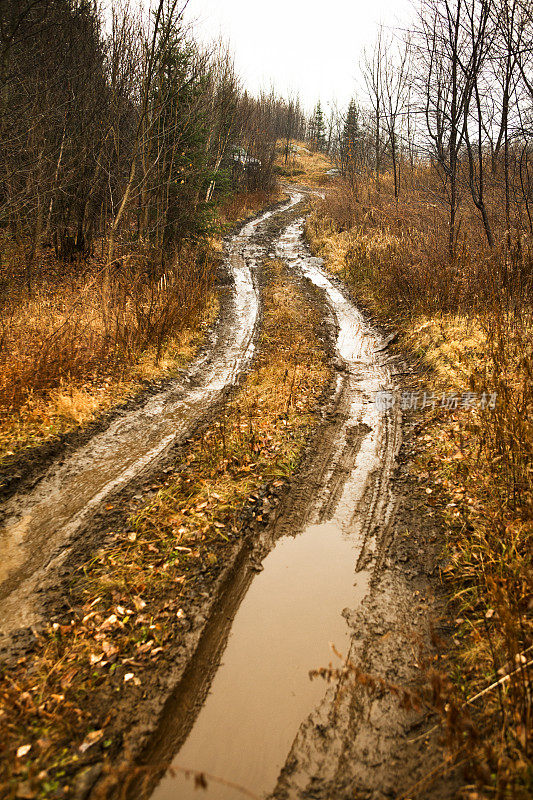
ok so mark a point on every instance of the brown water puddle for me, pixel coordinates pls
(292, 610)
(262, 691)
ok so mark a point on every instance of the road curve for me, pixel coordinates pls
(38, 526)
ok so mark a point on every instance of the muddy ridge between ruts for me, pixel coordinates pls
(253, 716)
(39, 526)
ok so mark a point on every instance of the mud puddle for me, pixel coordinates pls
(293, 609)
(258, 698)
(37, 526)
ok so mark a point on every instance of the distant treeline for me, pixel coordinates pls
(122, 128)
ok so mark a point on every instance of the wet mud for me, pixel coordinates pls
(349, 557)
(38, 526)
(335, 574)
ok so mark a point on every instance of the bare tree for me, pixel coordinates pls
(394, 70)
(480, 40)
(448, 64)
(373, 75)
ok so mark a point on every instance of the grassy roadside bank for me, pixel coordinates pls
(66, 705)
(477, 454)
(86, 342)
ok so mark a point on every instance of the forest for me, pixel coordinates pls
(121, 139)
(229, 323)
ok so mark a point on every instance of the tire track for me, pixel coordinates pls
(316, 562)
(356, 489)
(38, 526)
(357, 742)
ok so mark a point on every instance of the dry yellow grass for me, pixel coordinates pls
(242, 205)
(75, 404)
(303, 167)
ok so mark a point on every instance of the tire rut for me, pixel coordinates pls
(39, 526)
(356, 742)
(332, 520)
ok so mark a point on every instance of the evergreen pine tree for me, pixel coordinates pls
(350, 135)
(178, 145)
(318, 129)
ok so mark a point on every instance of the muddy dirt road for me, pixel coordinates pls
(334, 566)
(37, 526)
(329, 578)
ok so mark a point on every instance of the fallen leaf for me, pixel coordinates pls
(23, 750)
(145, 647)
(92, 738)
(109, 649)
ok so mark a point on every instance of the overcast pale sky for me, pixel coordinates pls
(298, 46)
